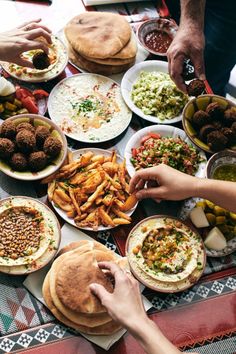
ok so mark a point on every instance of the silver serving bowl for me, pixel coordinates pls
(225, 157)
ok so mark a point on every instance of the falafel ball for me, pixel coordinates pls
(37, 160)
(201, 118)
(230, 116)
(216, 141)
(8, 129)
(218, 125)
(233, 127)
(41, 60)
(205, 130)
(25, 126)
(41, 134)
(230, 135)
(52, 146)
(7, 148)
(26, 141)
(215, 111)
(18, 161)
(195, 87)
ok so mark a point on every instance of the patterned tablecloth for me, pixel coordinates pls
(202, 317)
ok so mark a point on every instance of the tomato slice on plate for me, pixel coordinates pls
(30, 104)
(23, 93)
(151, 135)
(39, 94)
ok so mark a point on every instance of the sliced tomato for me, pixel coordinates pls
(39, 94)
(151, 135)
(23, 93)
(134, 152)
(30, 104)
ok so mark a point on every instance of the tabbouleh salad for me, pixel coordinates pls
(174, 152)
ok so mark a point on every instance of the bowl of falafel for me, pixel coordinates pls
(32, 147)
(210, 123)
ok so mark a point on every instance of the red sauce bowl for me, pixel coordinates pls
(157, 35)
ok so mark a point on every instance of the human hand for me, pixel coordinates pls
(163, 182)
(188, 43)
(26, 37)
(124, 305)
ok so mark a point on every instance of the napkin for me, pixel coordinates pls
(34, 283)
(105, 2)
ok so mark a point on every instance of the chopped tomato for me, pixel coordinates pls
(23, 93)
(39, 94)
(134, 152)
(150, 135)
(30, 104)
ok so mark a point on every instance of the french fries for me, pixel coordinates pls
(93, 190)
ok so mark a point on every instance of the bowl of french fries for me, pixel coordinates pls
(91, 191)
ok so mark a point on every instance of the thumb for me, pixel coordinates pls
(198, 62)
(99, 291)
(154, 193)
(23, 62)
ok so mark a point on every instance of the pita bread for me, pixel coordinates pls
(98, 34)
(95, 245)
(111, 61)
(105, 329)
(70, 277)
(93, 67)
(128, 51)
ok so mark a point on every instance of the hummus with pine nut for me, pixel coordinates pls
(26, 232)
(166, 254)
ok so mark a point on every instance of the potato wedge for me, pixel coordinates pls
(120, 221)
(51, 189)
(105, 218)
(61, 194)
(121, 214)
(130, 202)
(74, 201)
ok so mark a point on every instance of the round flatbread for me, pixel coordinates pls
(105, 329)
(129, 51)
(70, 277)
(98, 34)
(96, 68)
(111, 61)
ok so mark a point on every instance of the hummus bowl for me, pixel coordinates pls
(165, 254)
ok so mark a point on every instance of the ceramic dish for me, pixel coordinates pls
(89, 108)
(53, 228)
(187, 206)
(129, 79)
(33, 75)
(63, 215)
(226, 157)
(160, 25)
(54, 165)
(163, 130)
(160, 280)
(141, 55)
(200, 103)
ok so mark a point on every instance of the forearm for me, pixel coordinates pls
(151, 338)
(192, 14)
(221, 193)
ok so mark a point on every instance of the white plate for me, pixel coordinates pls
(188, 205)
(47, 74)
(141, 55)
(131, 77)
(163, 130)
(53, 223)
(64, 216)
(59, 107)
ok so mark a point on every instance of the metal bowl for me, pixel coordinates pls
(225, 157)
(160, 24)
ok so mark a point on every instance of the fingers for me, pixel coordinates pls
(37, 45)
(35, 25)
(153, 193)
(145, 175)
(39, 32)
(176, 71)
(115, 270)
(23, 62)
(198, 63)
(29, 22)
(99, 291)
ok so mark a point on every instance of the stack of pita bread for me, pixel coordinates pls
(101, 42)
(66, 287)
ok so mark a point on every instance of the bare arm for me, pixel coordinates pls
(189, 42)
(166, 183)
(125, 306)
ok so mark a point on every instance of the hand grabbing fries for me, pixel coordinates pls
(93, 190)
